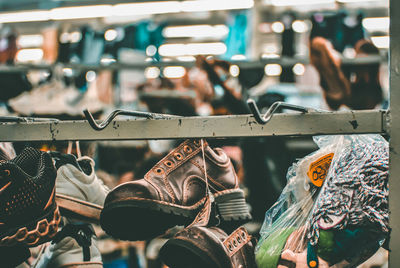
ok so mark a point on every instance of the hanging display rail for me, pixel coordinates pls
(284, 61)
(287, 124)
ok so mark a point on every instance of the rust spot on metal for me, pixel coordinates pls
(354, 124)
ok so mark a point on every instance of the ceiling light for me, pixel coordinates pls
(174, 50)
(376, 24)
(281, 3)
(277, 27)
(80, 12)
(299, 26)
(355, 1)
(107, 61)
(234, 70)
(90, 76)
(196, 31)
(151, 72)
(124, 10)
(299, 69)
(75, 37)
(110, 34)
(174, 71)
(34, 40)
(381, 41)
(29, 55)
(270, 56)
(210, 5)
(151, 50)
(238, 57)
(273, 69)
(24, 16)
(147, 8)
(68, 72)
(186, 58)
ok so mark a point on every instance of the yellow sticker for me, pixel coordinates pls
(319, 169)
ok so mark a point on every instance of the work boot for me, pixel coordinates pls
(173, 192)
(210, 247)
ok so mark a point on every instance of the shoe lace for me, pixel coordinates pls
(82, 233)
(208, 192)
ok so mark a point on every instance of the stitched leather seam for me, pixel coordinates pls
(185, 159)
(199, 203)
(218, 163)
(185, 186)
(205, 250)
(159, 192)
(227, 192)
(169, 188)
(223, 246)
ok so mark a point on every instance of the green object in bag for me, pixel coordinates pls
(326, 246)
(269, 253)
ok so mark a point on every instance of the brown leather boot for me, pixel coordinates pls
(173, 192)
(199, 247)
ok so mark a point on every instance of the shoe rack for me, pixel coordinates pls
(385, 122)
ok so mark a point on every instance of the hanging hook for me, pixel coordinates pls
(263, 119)
(115, 113)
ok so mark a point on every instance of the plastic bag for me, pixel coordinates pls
(334, 208)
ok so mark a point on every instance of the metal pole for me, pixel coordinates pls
(394, 131)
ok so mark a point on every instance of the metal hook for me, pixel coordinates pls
(115, 113)
(263, 119)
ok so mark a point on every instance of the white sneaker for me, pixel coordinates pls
(79, 193)
(75, 246)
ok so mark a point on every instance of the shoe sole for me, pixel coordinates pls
(83, 265)
(78, 209)
(177, 253)
(141, 219)
(35, 232)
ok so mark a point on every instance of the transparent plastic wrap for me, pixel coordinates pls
(334, 208)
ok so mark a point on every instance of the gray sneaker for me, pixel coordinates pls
(79, 193)
(72, 247)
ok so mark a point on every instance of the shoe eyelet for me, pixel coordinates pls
(169, 164)
(239, 239)
(187, 149)
(178, 156)
(230, 248)
(244, 236)
(235, 243)
(7, 172)
(159, 170)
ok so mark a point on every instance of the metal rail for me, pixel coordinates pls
(394, 131)
(287, 124)
(284, 61)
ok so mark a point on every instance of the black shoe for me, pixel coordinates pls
(28, 211)
(13, 256)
